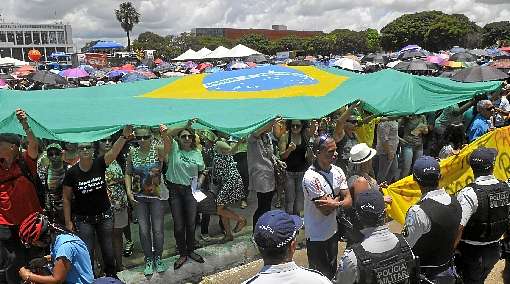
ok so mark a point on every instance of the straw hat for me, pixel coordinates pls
(361, 153)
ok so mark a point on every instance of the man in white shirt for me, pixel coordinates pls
(485, 207)
(325, 190)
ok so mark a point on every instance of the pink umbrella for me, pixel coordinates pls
(3, 84)
(435, 59)
(74, 73)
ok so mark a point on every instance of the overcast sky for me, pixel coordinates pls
(94, 19)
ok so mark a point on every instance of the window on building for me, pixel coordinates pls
(60, 38)
(10, 37)
(28, 38)
(19, 38)
(53, 37)
(17, 53)
(44, 37)
(3, 37)
(37, 38)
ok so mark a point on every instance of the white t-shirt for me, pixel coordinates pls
(319, 227)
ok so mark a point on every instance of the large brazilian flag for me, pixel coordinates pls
(235, 102)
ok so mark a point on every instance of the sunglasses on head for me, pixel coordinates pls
(323, 139)
(186, 136)
(143, 137)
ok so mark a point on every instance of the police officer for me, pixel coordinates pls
(275, 236)
(484, 218)
(431, 226)
(382, 257)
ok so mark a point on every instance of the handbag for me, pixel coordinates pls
(208, 205)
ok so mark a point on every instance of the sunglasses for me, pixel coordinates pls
(186, 136)
(84, 148)
(296, 125)
(54, 154)
(143, 137)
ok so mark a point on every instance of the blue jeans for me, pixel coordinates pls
(184, 212)
(294, 200)
(149, 212)
(409, 155)
(104, 230)
(387, 169)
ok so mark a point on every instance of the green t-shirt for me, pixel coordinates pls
(183, 165)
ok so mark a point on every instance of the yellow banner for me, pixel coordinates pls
(455, 171)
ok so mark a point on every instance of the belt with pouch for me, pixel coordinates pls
(94, 219)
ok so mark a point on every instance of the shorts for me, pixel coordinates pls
(120, 218)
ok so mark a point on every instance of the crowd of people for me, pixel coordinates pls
(81, 199)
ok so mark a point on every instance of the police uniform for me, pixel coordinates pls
(288, 273)
(382, 253)
(485, 208)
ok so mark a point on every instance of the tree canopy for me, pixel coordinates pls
(128, 17)
(496, 31)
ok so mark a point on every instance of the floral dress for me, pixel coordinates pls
(115, 187)
(228, 180)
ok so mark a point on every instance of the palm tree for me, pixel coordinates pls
(128, 17)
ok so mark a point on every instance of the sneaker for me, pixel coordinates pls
(128, 249)
(160, 265)
(278, 204)
(244, 205)
(149, 269)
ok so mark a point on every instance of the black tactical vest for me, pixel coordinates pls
(435, 248)
(396, 266)
(490, 221)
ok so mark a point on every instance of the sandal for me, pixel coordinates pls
(193, 255)
(180, 262)
(240, 225)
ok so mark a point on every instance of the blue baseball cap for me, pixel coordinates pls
(426, 170)
(370, 204)
(483, 159)
(276, 229)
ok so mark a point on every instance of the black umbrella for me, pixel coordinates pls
(479, 74)
(463, 57)
(406, 55)
(376, 58)
(415, 65)
(47, 77)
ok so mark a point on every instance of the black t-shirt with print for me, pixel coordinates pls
(89, 188)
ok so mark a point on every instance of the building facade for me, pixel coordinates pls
(16, 40)
(277, 32)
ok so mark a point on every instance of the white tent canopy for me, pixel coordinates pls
(186, 55)
(13, 61)
(219, 52)
(241, 51)
(200, 54)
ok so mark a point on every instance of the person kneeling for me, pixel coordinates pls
(69, 259)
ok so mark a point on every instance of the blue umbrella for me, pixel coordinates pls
(116, 73)
(457, 49)
(107, 45)
(132, 77)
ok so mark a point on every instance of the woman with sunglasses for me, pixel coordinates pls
(69, 259)
(345, 138)
(116, 189)
(143, 179)
(293, 151)
(91, 208)
(185, 162)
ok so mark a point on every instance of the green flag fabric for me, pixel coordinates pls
(236, 102)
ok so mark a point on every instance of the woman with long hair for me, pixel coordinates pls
(69, 260)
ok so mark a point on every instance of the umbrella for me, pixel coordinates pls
(107, 45)
(393, 63)
(116, 73)
(158, 61)
(132, 77)
(213, 70)
(406, 55)
(348, 64)
(415, 65)
(435, 59)
(479, 52)
(47, 77)
(190, 64)
(506, 49)
(99, 74)
(447, 74)
(237, 65)
(251, 64)
(74, 73)
(257, 58)
(307, 58)
(3, 84)
(458, 64)
(463, 57)
(376, 58)
(411, 47)
(127, 67)
(203, 66)
(24, 70)
(479, 74)
(501, 64)
(163, 67)
(457, 49)
(147, 74)
(351, 56)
